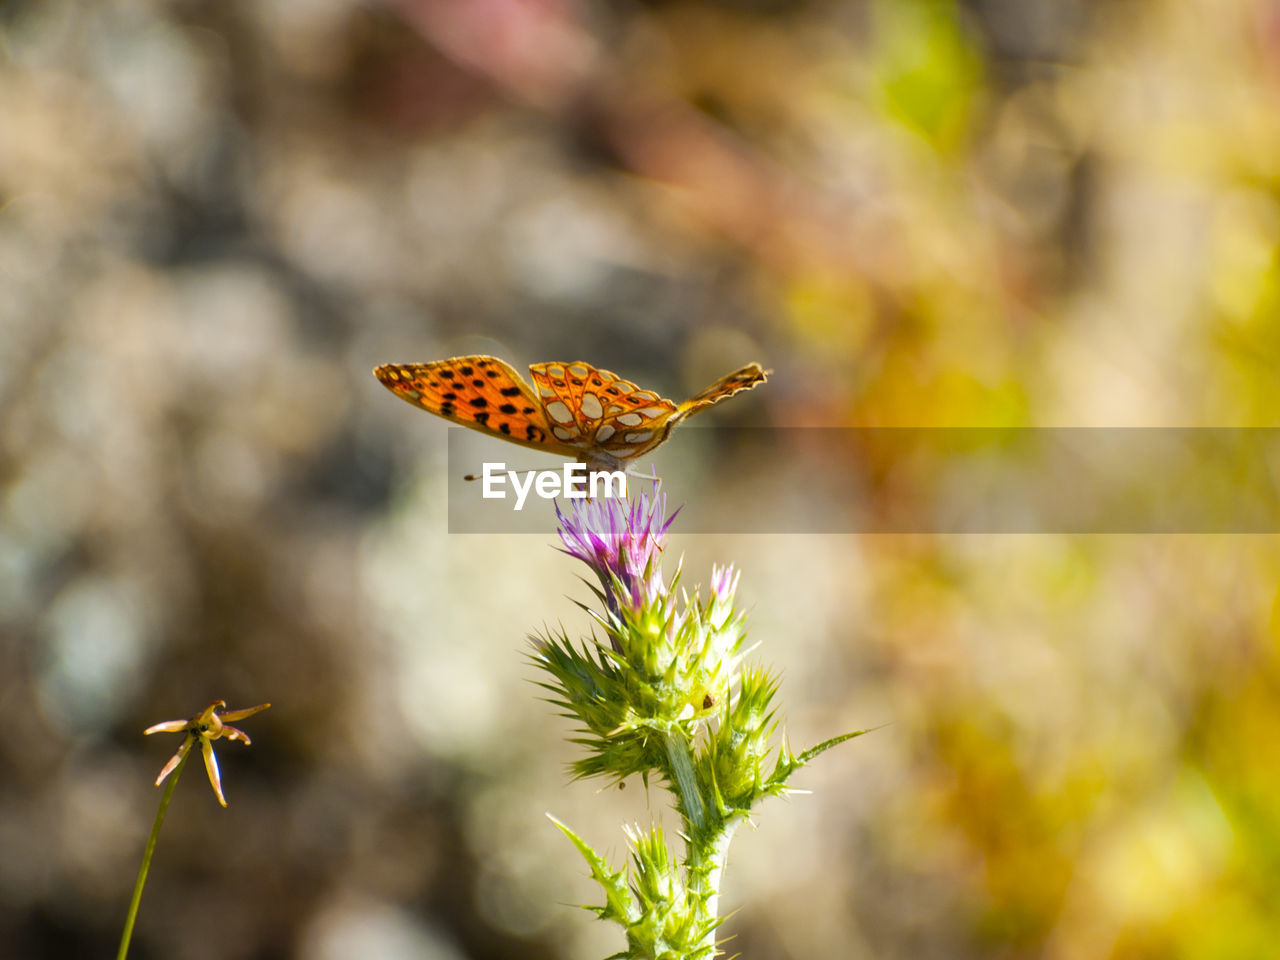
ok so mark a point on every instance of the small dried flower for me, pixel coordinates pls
(208, 725)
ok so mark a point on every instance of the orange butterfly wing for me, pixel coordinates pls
(479, 392)
(577, 410)
(746, 378)
(596, 411)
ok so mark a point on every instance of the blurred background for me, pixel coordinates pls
(217, 215)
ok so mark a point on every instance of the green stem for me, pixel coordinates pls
(708, 854)
(707, 836)
(685, 780)
(146, 858)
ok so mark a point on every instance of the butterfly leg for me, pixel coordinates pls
(651, 476)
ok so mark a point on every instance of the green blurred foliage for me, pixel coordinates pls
(925, 69)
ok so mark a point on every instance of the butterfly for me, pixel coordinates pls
(572, 409)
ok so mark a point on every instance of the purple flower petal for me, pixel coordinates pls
(621, 541)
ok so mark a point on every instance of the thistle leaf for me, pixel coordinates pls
(619, 905)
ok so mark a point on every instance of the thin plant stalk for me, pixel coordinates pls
(146, 858)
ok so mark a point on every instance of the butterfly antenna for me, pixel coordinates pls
(469, 477)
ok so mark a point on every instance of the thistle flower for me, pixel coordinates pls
(621, 542)
(669, 660)
(667, 696)
(205, 727)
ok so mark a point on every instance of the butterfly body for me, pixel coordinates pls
(572, 409)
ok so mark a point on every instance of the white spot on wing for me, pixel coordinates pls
(652, 412)
(630, 419)
(604, 433)
(558, 412)
(591, 407)
(562, 433)
(639, 436)
(578, 370)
